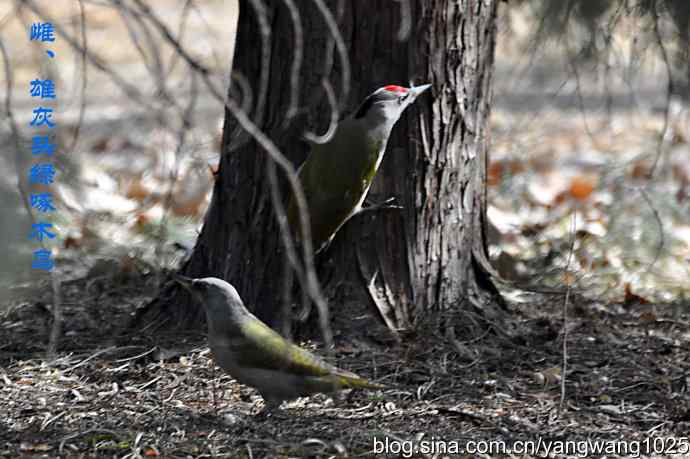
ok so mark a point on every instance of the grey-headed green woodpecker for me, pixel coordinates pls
(338, 173)
(257, 356)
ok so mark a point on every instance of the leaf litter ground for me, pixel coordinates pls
(156, 395)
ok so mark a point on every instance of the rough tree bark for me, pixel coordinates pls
(430, 255)
(436, 160)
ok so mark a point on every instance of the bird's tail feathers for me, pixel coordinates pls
(355, 382)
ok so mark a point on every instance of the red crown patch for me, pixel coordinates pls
(395, 88)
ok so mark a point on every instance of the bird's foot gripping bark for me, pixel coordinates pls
(385, 205)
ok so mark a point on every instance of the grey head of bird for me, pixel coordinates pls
(382, 108)
(223, 305)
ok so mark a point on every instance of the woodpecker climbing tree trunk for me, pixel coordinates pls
(432, 254)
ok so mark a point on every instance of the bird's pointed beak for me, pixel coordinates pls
(417, 90)
(184, 281)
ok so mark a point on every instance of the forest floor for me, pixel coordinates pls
(565, 155)
(152, 395)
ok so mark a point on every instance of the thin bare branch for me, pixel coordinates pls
(130, 91)
(312, 284)
(669, 91)
(405, 20)
(249, 126)
(340, 47)
(265, 32)
(578, 88)
(150, 59)
(84, 78)
(298, 52)
(335, 116)
(14, 128)
(16, 136)
(245, 89)
(566, 275)
(660, 225)
(56, 328)
(181, 29)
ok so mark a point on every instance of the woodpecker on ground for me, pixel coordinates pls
(338, 173)
(257, 356)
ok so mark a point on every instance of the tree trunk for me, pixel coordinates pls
(432, 254)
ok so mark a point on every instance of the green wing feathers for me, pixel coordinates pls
(344, 379)
(334, 180)
(266, 349)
